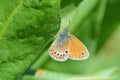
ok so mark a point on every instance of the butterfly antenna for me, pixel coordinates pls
(69, 22)
(51, 35)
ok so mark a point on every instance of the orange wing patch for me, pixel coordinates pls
(56, 54)
(77, 49)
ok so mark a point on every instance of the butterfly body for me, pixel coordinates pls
(67, 46)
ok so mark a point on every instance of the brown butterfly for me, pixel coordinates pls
(68, 46)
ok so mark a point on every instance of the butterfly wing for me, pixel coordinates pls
(78, 51)
(59, 50)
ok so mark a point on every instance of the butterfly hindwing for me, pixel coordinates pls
(59, 50)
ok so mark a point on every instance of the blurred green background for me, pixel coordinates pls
(28, 27)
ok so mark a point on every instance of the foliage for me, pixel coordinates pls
(28, 27)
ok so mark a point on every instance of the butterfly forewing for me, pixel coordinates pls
(78, 51)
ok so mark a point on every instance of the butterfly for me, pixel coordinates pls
(67, 46)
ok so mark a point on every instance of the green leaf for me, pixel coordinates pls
(109, 23)
(25, 30)
(108, 74)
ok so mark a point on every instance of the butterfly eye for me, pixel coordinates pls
(60, 35)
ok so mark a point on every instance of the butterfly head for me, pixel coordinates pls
(64, 35)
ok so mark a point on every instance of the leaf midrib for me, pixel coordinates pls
(10, 18)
